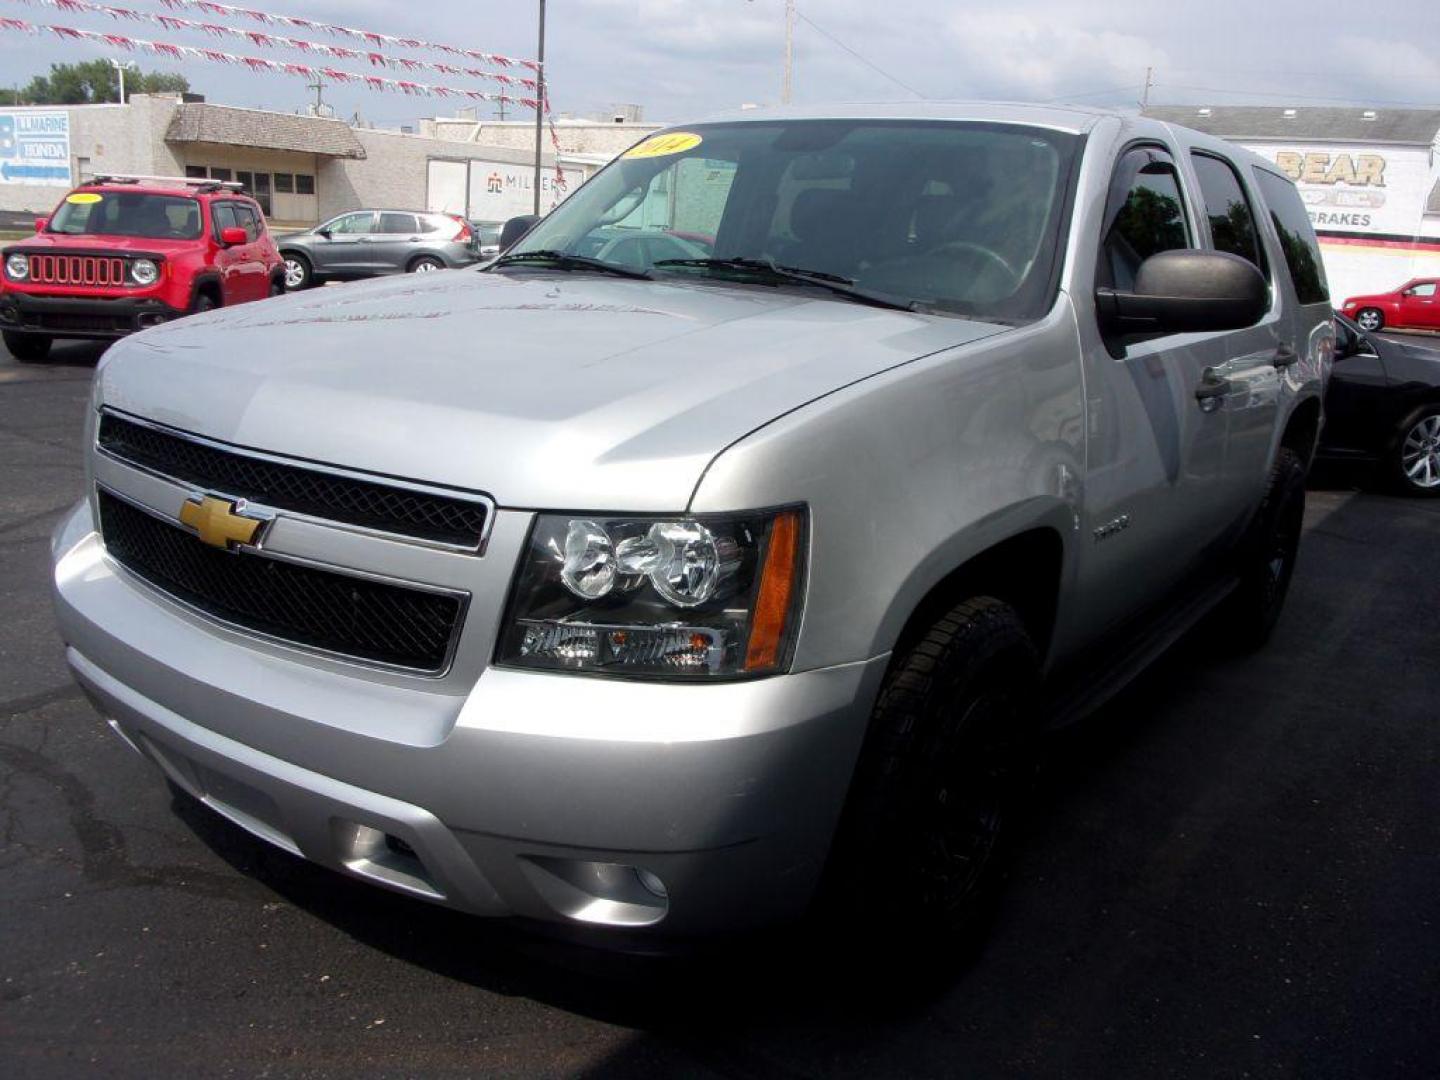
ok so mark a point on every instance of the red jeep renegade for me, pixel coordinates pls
(123, 252)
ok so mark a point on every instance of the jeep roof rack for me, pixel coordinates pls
(202, 185)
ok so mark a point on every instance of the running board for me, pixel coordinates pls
(1116, 666)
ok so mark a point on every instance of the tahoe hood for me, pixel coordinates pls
(545, 390)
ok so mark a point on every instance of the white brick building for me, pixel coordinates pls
(303, 169)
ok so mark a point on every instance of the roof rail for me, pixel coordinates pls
(199, 182)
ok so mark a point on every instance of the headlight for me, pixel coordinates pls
(144, 272)
(17, 267)
(689, 597)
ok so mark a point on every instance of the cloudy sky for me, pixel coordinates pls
(683, 58)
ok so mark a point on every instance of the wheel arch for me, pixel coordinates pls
(1302, 429)
(208, 284)
(1025, 568)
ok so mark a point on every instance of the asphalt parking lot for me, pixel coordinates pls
(1233, 872)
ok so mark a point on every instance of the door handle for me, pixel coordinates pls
(1212, 390)
(1285, 356)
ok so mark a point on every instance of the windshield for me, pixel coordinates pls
(955, 217)
(128, 213)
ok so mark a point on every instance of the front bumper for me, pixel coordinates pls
(98, 317)
(530, 795)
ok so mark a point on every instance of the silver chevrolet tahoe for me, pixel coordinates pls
(715, 557)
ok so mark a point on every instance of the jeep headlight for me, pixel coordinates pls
(17, 267)
(144, 272)
(674, 597)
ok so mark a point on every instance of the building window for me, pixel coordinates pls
(304, 185)
(284, 183)
(195, 172)
(221, 174)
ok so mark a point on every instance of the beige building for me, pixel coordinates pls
(302, 169)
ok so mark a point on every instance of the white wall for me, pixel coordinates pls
(1376, 196)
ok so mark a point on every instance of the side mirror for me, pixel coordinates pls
(515, 228)
(1187, 291)
(40, 224)
(323, 231)
(233, 237)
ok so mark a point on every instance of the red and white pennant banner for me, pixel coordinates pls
(265, 18)
(268, 40)
(260, 63)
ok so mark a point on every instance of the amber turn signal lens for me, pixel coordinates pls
(777, 588)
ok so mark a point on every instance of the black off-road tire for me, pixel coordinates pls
(1266, 559)
(945, 773)
(203, 302)
(27, 348)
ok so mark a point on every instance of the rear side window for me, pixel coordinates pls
(397, 223)
(1232, 224)
(1297, 237)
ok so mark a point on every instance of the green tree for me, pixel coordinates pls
(95, 82)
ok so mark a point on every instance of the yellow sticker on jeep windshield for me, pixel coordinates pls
(672, 142)
(83, 198)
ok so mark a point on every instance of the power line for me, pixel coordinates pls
(868, 63)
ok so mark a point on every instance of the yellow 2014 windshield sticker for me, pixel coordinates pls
(672, 142)
(83, 198)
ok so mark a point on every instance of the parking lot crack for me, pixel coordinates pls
(104, 855)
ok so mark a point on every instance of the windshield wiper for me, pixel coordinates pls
(842, 286)
(563, 260)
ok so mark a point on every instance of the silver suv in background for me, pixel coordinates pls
(725, 587)
(369, 243)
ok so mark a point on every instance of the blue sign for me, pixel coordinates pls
(34, 147)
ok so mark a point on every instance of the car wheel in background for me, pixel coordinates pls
(27, 348)
(1267, 558)
(944, 774)
(1370, 318)
(426, 265)
(298, 274)
(1415, 462)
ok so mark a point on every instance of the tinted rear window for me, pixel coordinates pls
(1297, 237)
(1232, 225)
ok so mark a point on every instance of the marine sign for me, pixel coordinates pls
(34, 147)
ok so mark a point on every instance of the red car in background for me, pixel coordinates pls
(123, 253)
(1413, 306)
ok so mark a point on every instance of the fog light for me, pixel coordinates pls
(9, 313)
(652, 883)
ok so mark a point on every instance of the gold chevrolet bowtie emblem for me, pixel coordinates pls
(217, 523)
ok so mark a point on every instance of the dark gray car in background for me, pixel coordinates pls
(369, 243)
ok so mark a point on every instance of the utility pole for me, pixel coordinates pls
(789, 51)
(318, 85)
(539, 104)
(1145, 94)
(120, 67)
